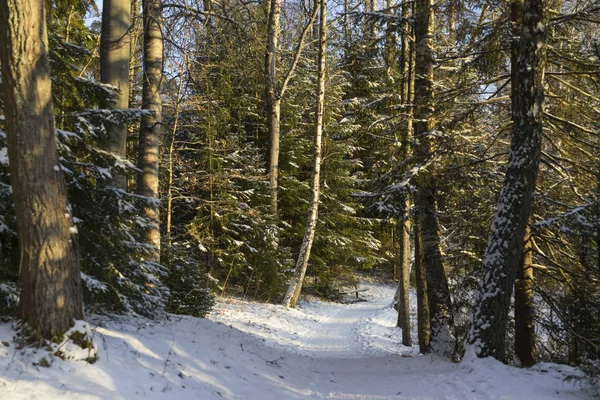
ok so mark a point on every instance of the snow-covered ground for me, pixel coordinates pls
(247, 350)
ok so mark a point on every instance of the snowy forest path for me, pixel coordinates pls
(247, 350)
(355, 351)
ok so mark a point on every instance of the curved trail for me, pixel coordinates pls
(354, 351)
(252, 351)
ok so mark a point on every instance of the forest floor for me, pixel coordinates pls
(248, 350)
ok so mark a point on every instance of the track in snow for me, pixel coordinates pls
(251, 351)
(354, 351)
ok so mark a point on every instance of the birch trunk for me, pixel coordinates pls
(273, 102)
(115, 42)
(51, 295)
(274, 94)
(150, 126)
(442, 324)
(293, 292)
(502, 257)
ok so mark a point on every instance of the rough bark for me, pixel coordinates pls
(115, 42)
(404, 283)
(406, 68)
(293, 292)
(442, 324)
(524, 306)
(149, 146)
(50, 282)
(423, 322)
(502, 257)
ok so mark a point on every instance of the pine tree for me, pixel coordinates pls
(50, 298)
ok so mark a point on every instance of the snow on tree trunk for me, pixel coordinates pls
(293, 292)
(524, 307)
(502, 257)
(115, 41)
(51, 294)
(442, 324)
(148, 161)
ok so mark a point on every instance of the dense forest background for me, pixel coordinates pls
(238, 78)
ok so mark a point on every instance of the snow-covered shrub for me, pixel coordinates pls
(8, 298)
(76, 344)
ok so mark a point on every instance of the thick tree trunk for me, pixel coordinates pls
(273, 101)
(423, 321)
(51, 296)
(502, 257)
(442, 324)
(524, 306)
(115, 42)
(406, 68)
(293, 292)
(150, 126)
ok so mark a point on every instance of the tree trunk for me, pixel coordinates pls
(150, 126)
(370, 28)
(524, 306)
(293, 292)
(423, 322)
(274, 138)
(389, 54)
(51, 296)
(273, 102)
(502, 257)
(442, 324)
(274, 94)
(406, 61)
(404, 283)
(346, 27)
(177, 109)
(115, 42)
